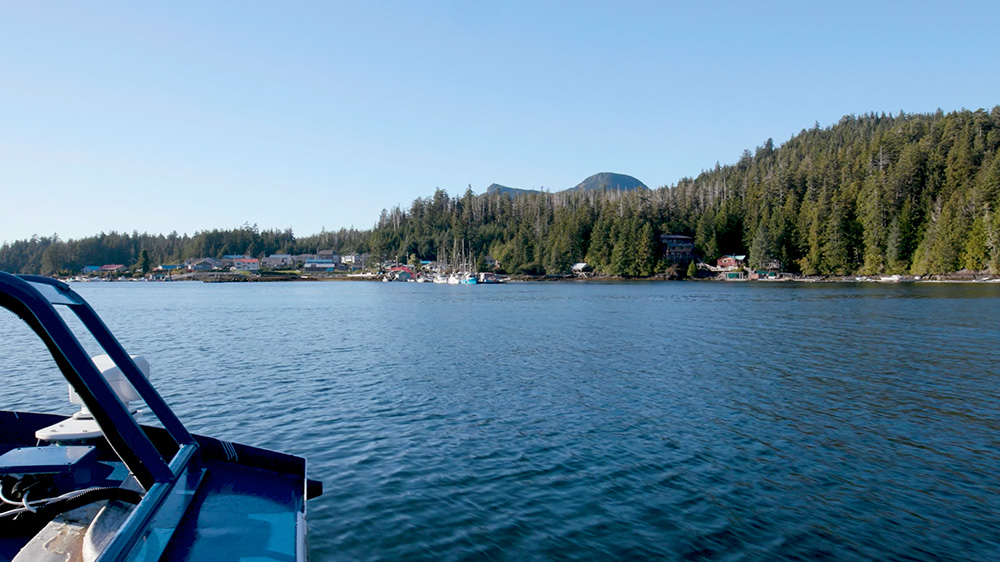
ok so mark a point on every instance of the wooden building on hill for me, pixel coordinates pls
(677, 248)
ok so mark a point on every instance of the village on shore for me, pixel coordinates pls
(329, 265)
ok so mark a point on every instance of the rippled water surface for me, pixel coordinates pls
(671, 421)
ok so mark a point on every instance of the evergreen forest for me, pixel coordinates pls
(873, 194)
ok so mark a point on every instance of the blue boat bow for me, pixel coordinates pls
(133, 492)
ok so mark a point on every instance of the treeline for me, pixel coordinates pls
(48, 255)
(873, 194)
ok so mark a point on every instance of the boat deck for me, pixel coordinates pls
(246, 503)
(239, 513)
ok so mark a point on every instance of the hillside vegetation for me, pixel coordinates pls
(872, 194)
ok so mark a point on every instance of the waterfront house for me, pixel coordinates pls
(319, 265)
(202, 264)
(354, 261)
(491, 262)
(276, 261)
(169, 267)
(112, 269)
(731, 262)
(246, 264)
(91, 269)
(677, 248)
(328, 255)
(401, 273)
(229, 260)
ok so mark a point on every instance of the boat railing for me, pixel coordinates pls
(166, 474)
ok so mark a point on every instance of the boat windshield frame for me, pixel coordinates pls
(33, 299)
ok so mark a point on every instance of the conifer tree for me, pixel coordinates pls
(761, 248)
(143, 264)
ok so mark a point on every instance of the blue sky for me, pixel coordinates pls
(187, 116)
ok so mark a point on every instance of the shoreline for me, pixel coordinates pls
(217, 277)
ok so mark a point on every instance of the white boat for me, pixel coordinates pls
(488, 278)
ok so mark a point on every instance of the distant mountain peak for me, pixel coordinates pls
(609, 181)
(596, 182)
(497, 188)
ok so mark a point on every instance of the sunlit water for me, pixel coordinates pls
(671, 421)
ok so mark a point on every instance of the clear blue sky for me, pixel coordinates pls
(187, 116)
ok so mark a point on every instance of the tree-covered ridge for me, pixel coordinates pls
(872, 194)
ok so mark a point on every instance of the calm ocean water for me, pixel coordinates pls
(664, 421)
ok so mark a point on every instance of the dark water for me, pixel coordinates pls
(666, 421)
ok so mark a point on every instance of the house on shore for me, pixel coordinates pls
(277, 261)
(246, 264)
(113, 269)
(731, 262)
(328, 255)
(313, 265)
(677, 248)
(354, 261)
(202, 264)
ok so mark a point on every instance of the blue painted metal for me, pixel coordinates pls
(32, 299)
(119, 427)
(189, 480)
(31, 460)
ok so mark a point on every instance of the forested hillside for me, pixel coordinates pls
(872, 194)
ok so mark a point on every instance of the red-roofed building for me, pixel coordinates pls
(113, 268)
(246, 264)
(730, 262)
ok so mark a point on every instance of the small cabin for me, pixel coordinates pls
(731, 262)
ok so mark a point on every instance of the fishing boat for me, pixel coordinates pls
(97, 486)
